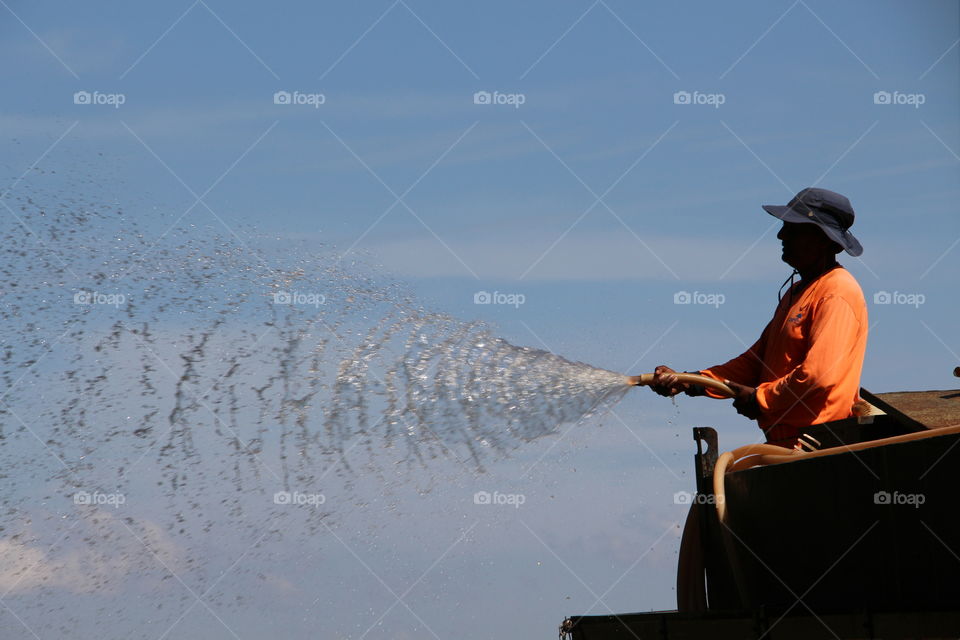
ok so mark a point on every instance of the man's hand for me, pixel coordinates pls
(745, 400)
(666, 384)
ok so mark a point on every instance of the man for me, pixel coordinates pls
(805, 367)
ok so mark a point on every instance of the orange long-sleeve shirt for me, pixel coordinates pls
(806, 365)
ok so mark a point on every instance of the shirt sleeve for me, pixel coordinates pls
(744, 369)
(832, 340)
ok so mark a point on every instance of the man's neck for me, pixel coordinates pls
(810, 274)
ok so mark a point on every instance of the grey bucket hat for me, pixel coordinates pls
(829, 210)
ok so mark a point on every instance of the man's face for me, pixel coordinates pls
(804, 244)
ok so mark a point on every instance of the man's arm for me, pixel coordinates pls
(745, 369)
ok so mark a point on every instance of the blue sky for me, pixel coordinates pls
(599, 198)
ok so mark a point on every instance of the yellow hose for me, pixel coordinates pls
(750, 455)
(754, 455)
(719, 492)
(646, 379)
(870, 444)
(720, 501)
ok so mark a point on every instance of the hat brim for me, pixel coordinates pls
(843, 238)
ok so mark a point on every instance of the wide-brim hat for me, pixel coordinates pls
(829, 210)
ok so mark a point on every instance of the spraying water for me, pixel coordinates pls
(118, 340)
(165, 388)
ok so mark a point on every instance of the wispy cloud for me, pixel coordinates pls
(106, 559)
(582, 256)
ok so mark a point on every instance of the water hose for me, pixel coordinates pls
(756, 455)
(646, 379)
(782, 455)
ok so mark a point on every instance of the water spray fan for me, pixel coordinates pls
(646, 379)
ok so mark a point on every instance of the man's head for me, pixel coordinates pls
(806, 245)
(816, 220)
